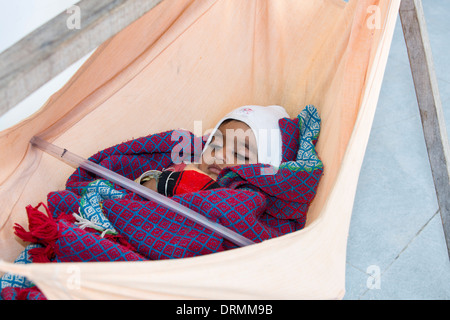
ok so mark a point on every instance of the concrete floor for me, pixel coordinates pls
(396, 247)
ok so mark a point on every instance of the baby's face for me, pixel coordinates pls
(232, 144)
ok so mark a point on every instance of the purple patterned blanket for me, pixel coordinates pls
(255, 204)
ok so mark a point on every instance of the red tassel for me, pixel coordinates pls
(42, 255)
(42, 226)
(43, 230)
(24, 235)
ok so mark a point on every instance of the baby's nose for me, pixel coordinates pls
(218, 156)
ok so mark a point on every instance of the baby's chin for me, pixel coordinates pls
(204, 169)
(213, 176)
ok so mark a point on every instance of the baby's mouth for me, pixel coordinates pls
(214, 169)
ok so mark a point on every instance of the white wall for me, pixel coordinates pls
(17, 19)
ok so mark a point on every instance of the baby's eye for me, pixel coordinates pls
(215, 146)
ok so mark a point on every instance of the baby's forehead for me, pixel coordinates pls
(233, 124)
(234, 129)
(238, 131)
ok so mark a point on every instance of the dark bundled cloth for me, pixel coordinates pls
(255, 200)
(173, 182)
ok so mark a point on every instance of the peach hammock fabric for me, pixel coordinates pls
(192, 60)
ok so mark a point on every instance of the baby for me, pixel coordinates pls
(247, 135)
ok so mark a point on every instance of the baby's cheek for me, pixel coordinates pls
(203, 165)
(202, 160)
(207, 159)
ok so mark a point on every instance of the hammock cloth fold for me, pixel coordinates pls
(191, 60)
